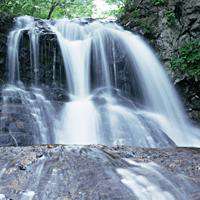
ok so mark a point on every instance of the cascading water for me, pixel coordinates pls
(150, 181)
(118, 91)
(113, 122)
(34, 103)
(23, 23)
(32, 100)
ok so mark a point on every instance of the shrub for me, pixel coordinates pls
(171, 18)
(158, 2)
(188, 60)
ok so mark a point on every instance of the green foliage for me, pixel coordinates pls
(144, 25)
(122, 6)
(158, 2)
(136, 13)
(132, 9)
(48, 8)
(171, 18)
(188, 61)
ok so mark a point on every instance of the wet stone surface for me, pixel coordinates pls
(90, 172)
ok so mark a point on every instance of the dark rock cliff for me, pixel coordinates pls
(168, 25)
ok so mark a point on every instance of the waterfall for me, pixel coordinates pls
(22, 23)
(34, 47)
(118, 91)
(121, 125)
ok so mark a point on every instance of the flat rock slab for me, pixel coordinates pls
(99, 172)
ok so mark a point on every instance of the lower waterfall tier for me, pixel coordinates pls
(28, 118)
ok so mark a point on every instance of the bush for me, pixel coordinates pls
(188, 60)
(158, 2)
(48, 8)
(171, 18)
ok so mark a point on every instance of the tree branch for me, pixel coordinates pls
(53, 7)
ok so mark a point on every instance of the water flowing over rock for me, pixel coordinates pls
(168, 25)
(99, 172)
(113, 88)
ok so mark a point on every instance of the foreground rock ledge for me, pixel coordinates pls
(98, 172)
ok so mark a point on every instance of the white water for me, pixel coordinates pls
(22, 23)
(2, 171)
(28, 195)
(148, 181)
(34, 47)
(2, 197)
(80, 124)
(159, 94)
(161, 102)
(98, 56)
(37, 107)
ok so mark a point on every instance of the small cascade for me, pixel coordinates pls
(158, 92)
(149, 181)
(70, 37)
(34, 52)
(22, 23)
(118, 92)
(34, 112)
(34, 124)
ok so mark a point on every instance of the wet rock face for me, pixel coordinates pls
(190, 92)
(167, 26)
(21, 113)
(95, 172)
(51, 68)
(18, 124)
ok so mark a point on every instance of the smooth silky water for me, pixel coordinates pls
(150, 181)
(98, 56)
(113, 122)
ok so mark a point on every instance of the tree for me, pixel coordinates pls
(47, 9)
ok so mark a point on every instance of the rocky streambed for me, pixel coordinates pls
(99, 172)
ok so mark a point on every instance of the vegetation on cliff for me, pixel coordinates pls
(171, 27)
(188, 59)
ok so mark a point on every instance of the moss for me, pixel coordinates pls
(170, 16)
(188, 59)
(135, 13)
(143, 23)
(158, 2)
(145, 26)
